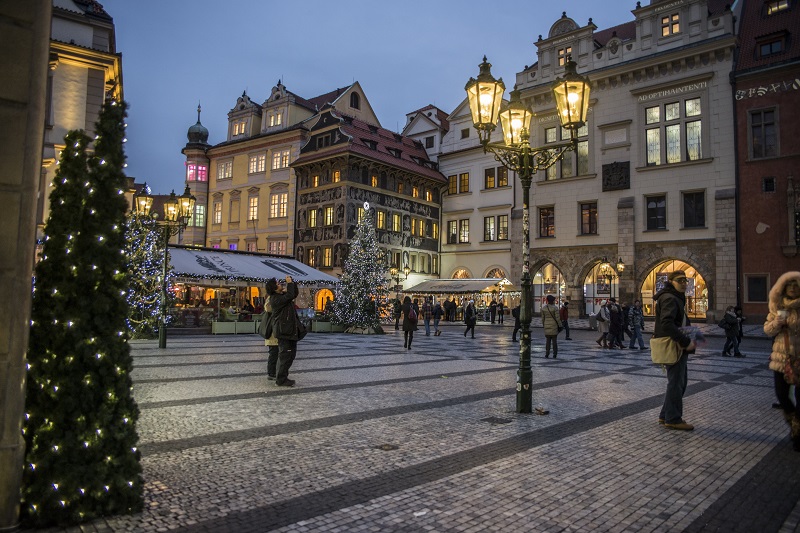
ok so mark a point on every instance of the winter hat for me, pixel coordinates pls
(550, 298)
(676, 274)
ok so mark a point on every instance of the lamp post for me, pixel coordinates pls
(485, 96)
(177, 210)
(394, 272)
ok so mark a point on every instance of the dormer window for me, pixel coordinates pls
(239, 127)
(770, 45)
(372, 145)
(323, 141)
(562, 55)
(395, 152)
(670, 25)
(275, 119)
(777, 6)
(355, 101)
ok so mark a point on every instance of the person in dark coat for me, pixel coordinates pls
(617, 325)
(409, 325)
(670, 317)
(398, 311)
(730, 323)
(493, 309)
(285, 324)
(470, 318)
(517, 325)
(501, 308)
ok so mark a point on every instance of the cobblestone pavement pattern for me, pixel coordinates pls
(378, 438)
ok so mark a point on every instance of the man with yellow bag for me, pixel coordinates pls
(670, 317)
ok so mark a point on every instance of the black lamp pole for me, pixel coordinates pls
(485, 94)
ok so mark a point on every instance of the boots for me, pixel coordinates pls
(795, 423)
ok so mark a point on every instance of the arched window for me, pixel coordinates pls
(547, 281)
(496, 273)
(696, 289)
(355, 101)
(461, 273)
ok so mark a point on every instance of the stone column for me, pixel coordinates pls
(726, 282)
(25, 40)
(626, 249)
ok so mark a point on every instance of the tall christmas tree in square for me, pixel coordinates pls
(80, 428)
(361, 296)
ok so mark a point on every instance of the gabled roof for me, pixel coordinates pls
(624, 32)
(441, 116)
(378, 144)
(755, 25)
(316, 103)
(89, 7)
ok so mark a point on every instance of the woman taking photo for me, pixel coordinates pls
(783, 323)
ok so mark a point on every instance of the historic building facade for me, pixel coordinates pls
(245, 187)
(652, 182)
(85, 68)
(346, 163)
(767, 83)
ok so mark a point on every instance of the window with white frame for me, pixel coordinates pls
(217, 216)
(278, 204)
(502, 227)
(251, 246)
(275, 119)
(234, 215)
(257, 163)
(239, 127)
(547, 221)
(252, 208)
(280, 159)
(563, 53)
(199, 218)
(670, 24)
(574, 163)
(674, 131)
(224, 170)
(463, 230)
(277, 247)
(195, 172)
(488, 229)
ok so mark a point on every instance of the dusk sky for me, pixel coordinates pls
(176, 53)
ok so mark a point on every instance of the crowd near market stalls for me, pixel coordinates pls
(481, 290)
(211, 285)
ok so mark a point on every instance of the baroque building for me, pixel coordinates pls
(767, 81)
(651, 186)
(84, 69)
(346, 163)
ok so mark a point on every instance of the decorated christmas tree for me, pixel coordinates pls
(362, 290)
(145, 256)
(80, 429)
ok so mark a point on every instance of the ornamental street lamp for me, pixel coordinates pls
(394, 273)
(485, 96)
(177, 210)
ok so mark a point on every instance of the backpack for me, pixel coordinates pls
(412, 315)
(599, 316)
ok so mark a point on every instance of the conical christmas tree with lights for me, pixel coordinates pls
(145, 255)
(80, 429)
(362, 290)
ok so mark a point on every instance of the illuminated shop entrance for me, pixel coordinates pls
(696, 289)
(548, 280)
(600, 284)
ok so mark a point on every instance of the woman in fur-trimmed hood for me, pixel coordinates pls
(783, 323)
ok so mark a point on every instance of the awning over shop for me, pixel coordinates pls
(224, 265)
(467, 286)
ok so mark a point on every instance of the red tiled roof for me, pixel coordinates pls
(756, 24)
(625, 32)
(359, 131)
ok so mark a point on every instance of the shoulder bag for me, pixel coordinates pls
(665, 350)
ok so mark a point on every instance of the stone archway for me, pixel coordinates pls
(547, 279)
(697, 290)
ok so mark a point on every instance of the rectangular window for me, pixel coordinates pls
(399, 187)
(315, 181)
(421, 228)
(396, 223)
(656, 207)
(280, 159)
(428, 196)
(278, 204)
(429, 141)
(435, 230)
(196, 172)
(452, 232)
(547, 222)
(768, 184)
(776, 6)
(465, 133)
(563, 53)
(359, 215)
(757, 291)
(252, 208)
(217, 213)
(199, 219)
(463, 230)
(415, 191)
(694, 209)
(463, 182)
(224, 170)
(574, 163)
(770, 47)
(452, 185)
(675, 132)
(763, 134)
(234, 216)
(277, 247)
(502, 177)
(374, 180)
(381, 220)
(312, 217)
(327, 256)
(670, 25)
(413, 226)
(502, 228)
(233, 246)
(488, 229)
(257, 163)
(589, 218)
(329, 215)
(251, 247)
(311, 257)
(336, 177)
(488, 179)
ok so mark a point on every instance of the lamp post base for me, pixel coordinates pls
(162, 336)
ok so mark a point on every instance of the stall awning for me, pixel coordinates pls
(472, 285)
(212, 264)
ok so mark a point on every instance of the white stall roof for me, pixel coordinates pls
(212, 264)
(470, 285)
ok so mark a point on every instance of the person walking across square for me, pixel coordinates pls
(563, 314)
(552, 325)
(636, 321)
(730, 323)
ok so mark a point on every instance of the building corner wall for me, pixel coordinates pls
(726, 274)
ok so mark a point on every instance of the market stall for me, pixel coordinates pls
(481, 290)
